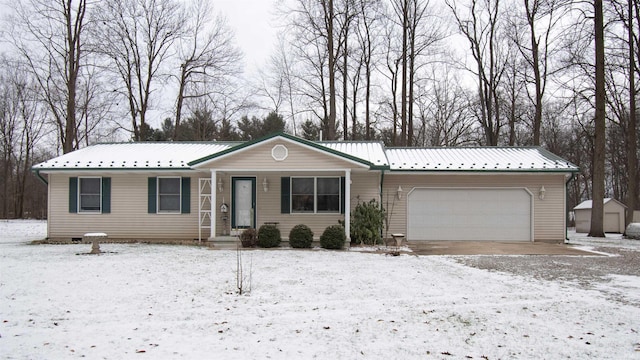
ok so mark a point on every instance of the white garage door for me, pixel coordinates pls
(469, 214)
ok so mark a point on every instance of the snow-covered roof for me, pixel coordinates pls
(587, 204)
(142, 155)
(476, 159)
(186, 155)
(371, 151)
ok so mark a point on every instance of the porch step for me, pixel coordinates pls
(224, 242)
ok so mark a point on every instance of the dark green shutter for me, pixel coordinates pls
(342, 193)
(106, 195)
(73, 194)
(285, 195)
(152, 188)
(186, 195)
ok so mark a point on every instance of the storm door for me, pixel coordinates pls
(243, 202)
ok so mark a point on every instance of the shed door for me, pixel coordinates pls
(469, 214)
(611, 222)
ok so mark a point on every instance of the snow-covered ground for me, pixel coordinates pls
(161, 301)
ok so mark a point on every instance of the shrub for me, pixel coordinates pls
(367, 221)
(269, 236)
(300, 236)
(333, 237)
(249, 238)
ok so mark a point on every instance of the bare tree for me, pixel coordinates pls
(533, 34)
(478, 21)
(317, 43)
(206, 53)
(392, 62)
(50, 39)
(279, 83)
(367, 32)
(444, 113)
(136, 37)
(21, 128)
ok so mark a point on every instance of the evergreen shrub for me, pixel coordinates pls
(333, 237)
(300, 236)
(269, 236)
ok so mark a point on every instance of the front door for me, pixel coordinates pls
(243, 202)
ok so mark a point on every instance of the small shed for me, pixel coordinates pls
(614, 213)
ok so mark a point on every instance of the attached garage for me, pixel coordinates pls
(490, 214)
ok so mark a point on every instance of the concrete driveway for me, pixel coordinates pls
(492, 248)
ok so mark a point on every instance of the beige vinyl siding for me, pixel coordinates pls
(549, 214)
(365, 186)
(299, 157)
(128, 218)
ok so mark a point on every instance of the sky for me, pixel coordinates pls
(252, 22)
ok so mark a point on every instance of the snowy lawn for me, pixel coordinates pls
(160, 301)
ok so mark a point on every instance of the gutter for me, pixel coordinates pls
(37, 172)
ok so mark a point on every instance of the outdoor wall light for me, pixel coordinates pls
(265, 185)
(541, 193)
(399, 192)
(220, 187)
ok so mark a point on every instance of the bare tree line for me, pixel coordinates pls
(406, 72)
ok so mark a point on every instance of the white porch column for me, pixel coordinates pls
(347, 205)
(214, 213)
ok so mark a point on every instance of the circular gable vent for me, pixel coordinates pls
(279, 152)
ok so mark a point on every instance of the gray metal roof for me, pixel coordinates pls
(142, 155)
(476, 159)
(371, 151)
(178, 155)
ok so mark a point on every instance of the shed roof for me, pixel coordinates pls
(512, 159)
(587, 204)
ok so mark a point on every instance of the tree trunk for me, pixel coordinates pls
(632, 145)
(598, 176)
(535, 55)
(183, 80)
(73, 69)
(403, 91)
(345, 58)
(331, 123)
(412, 70)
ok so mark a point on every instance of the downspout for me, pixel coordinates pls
(381, 184)
(566, 216)
(37, 172)
(381, 201)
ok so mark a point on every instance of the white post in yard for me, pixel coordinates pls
(213, 214)
(347, 205)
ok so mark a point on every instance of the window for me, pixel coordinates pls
(328, 194)
(315, 195)
(168, 194)
(89, 194)
(302, 194)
